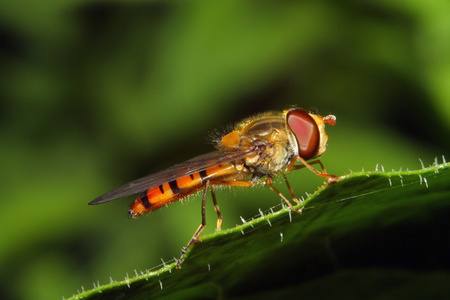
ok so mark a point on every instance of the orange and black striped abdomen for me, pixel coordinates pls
(175, 190)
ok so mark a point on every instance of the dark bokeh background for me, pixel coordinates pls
(95, 95)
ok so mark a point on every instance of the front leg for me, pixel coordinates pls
(329, 177)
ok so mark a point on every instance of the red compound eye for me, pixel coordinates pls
(306, 132)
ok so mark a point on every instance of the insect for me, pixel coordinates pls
(257, 150)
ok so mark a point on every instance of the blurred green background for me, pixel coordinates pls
(96, 94)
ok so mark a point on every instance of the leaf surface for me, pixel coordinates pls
(372, 234)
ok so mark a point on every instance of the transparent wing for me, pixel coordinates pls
(186, 168)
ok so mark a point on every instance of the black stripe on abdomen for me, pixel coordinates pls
(203, 174)
(144, 200)
(174, 186)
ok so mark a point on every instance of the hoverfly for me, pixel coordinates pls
(258, 149)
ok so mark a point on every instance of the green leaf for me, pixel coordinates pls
(372, 234)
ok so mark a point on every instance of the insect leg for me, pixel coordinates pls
(194, 238)
(268, 182)
(290, 189)
(232, 183)
(209, 184)
(330, 178)
(229, 183)
(216, 207)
